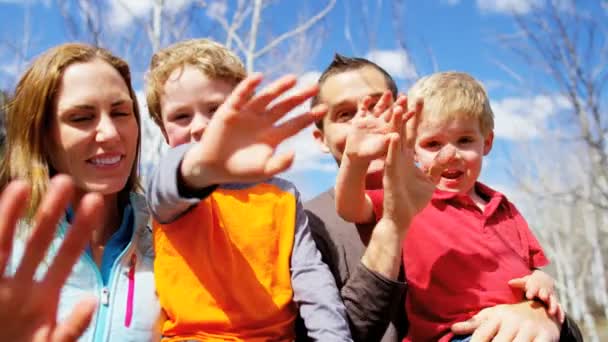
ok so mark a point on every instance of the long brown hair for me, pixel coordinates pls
(30, 111)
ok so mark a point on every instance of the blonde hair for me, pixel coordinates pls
(30, 111)
(211, 58)
(450, 94)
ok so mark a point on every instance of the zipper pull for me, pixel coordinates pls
(105, 296)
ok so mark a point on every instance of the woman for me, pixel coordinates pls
(74, 112)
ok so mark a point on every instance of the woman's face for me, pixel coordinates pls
(94, 132)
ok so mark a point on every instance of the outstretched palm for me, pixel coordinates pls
(28, 307)
(240, 142)
(370, 127)
(407, 190)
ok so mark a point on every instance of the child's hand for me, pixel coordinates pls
(369, 134)
(239, 143)
(540, 285)
(407, 189)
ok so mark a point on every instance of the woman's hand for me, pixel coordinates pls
(28, 307)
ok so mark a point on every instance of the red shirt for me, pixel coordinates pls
(459, 259)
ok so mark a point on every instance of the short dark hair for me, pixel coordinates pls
(342, 64)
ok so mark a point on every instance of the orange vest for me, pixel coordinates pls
(222, 269)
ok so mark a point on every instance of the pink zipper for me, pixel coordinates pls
(131, 290)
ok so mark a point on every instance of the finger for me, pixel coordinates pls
(401, 101)
(278, 164)
(413, 118)
(397, 119)
(50, 210)
(77, 322)
(532, 291)
(543, 336)
(544, 295)
(284, 106)
(553, 305)
(243, 92)
(88, 214)
(506, 333)
(363, 106)
(519, 283)
(466, 327)
(13, 201)
(486, 331)
(295, 125)
(271, 92)
(384, 102)
(394, 148)
(561, 315)
(525, 334)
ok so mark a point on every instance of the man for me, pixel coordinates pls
(366, 261)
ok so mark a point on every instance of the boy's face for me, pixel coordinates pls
(340, 93)
(188, 102)
(457, 146)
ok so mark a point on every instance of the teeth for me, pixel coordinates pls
(106, 161)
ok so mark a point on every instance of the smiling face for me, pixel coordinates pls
(93, 130)
(188, 102)
(340, 93)
(456, 145)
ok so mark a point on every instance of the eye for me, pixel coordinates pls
(81, 117)
(213, 109)
(344, 116)
(431, 144)
(121, 113)
(181, 117)
(465, 140)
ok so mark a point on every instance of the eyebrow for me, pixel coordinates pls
(89, 107)
(345, 101)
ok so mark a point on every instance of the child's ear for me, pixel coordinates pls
(320, 139)
(487, 143)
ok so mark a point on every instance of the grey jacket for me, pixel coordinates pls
(374, 303)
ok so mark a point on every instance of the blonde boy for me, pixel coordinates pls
(469, 248)
(234, 256)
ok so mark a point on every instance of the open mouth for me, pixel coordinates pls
(452, 174)
(106, 161)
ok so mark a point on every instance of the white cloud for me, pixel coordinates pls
(217, 9)
(450, 2)
(123, 12)
(508, 6)
(396, 62)
(525, 118)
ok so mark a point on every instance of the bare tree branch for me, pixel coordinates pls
(298, 30)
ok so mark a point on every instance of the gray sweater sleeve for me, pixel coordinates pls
(314, 288)
(370, 318)
(163, 194)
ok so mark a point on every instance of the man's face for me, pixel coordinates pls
(340, 93)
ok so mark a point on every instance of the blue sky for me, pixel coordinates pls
(439, 35)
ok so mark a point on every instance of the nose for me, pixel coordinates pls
(447, 154)
(106, 129)
(198, 126)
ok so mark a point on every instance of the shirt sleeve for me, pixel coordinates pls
(166, 196)
(370, 318)
(314, 288)
(377, 198)
(570, 331)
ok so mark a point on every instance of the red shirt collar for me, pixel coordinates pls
(494, 197)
